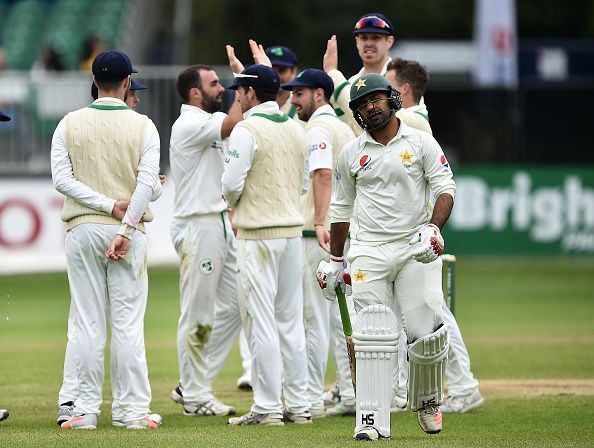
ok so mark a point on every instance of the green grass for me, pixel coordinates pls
(521, 319)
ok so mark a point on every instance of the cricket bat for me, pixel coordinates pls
(348, 333)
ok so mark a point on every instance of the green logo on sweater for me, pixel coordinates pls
(234, 153)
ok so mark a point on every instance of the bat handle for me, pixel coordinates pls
(344, 312)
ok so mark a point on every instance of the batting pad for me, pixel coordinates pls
(375, 335)
(427, 358)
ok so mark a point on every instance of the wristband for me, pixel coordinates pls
(126, 231)
(337, 262)
(317, 225)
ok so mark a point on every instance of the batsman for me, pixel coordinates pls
(383, 180)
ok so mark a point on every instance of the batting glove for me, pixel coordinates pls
(428, 244)
(330, 275)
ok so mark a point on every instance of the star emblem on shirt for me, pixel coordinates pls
(406, 158)
(360, 276)
(360, 83)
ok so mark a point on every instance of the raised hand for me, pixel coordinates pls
(234, 63)
(259, 54)
(330, 61)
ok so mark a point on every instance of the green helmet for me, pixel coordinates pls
(365, 85)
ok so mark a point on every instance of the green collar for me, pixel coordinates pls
(279, 118)
(422, 115)
(107, 107)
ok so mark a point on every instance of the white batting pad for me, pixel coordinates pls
(427, 358)
(375, 334)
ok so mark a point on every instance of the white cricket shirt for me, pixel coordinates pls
(196, 156)
(383, 191)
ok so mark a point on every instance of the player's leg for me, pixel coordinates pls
(420, 298)
(87, 267)
(69, 390)
(201, 246)
(375, 338)
(128, 291)
(244, 382)
(257, 263)
(463, 390)
(289, 321)
(316, 321)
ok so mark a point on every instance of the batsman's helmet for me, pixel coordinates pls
(365, 85)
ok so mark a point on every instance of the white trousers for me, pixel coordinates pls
(207, 250)
(271, 302)
(388, 275)
(100, 287)
(316, 320)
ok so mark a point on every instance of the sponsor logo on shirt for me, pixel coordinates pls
(360, 276)
(365, 162)
(217, 145)
(444, 162)
(317, 146)
(233, 153)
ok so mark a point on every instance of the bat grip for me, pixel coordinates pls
(344, 312)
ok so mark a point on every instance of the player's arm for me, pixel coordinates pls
(65, 182)
(147, 181)
(342, 203)
(233, 117)
(242, 142)
(320, 170)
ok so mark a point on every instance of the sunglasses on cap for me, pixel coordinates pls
(372, 22)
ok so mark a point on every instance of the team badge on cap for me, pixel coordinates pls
(360, 83)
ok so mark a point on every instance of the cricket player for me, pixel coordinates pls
(374, 36)
(100, 152)
(69, 391)
(284, 61)
(411, 78)
(202, 235)
(3, 412)
(263, 181)
(326, 135)
(383, 179)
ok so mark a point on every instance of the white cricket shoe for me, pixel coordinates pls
(177, 394)
(118, 423)
(398, 404)
(341, 410)
(210, 407)
(300, 418)
(254, 418)
(430, 419)
(367, 433)
(463, 404)
(86, 421)
(244, 382)
(144, 423)
(65, 411)
(331, 396)
(3, 414)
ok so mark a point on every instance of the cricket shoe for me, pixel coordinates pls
(398, 404)
(144, 423)
(119, 423)
(367, 434)
(177, 394)
(244, 382)
(210, 407)
(65, 411)
(300, 418)
(331, 396)
(429, 418)
(341, 410)
(3, 414)
(462, 404)
(85, 421)
(254, 418)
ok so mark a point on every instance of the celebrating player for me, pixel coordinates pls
(105, 243)
(326, 135)
(263, 181)
(202, 235)
(382, 182)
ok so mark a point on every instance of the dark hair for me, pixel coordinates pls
(189, 78)
(262, 96)
(413, 73)
(108, 86)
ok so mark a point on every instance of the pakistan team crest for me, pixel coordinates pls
(206, 266)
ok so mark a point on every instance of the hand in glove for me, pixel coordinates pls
(330, 275)
(428, 244)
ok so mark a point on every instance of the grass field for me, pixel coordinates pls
(528, 324)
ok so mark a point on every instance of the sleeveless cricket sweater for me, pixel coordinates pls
(269, 204)
(104, 143)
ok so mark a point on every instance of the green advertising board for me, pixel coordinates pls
(522, 211)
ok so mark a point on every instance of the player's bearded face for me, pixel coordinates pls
(376, 111)
(303, 101)
(212, 103)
